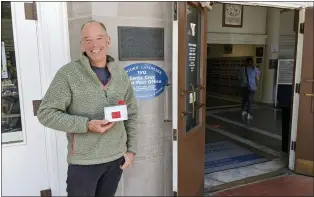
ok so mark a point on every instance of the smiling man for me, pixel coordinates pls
(98, 150)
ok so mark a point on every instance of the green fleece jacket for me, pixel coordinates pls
(76, 96)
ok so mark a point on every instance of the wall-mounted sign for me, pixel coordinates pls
(193, 60)
(259, 51)
(228, 49)
(232, 15)
(140, 43)
(273, 63)
(148, 80)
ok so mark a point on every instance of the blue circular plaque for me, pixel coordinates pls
(148, 80)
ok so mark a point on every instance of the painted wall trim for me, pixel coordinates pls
(233, 38)
(175, 54)
(296, 96)
(54, 52)
(279, 4)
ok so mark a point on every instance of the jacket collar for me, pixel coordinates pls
(85, 60)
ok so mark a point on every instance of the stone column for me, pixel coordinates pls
(271, 52)
(151, 173)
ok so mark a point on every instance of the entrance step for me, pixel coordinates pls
(212, 185)
(285, 185)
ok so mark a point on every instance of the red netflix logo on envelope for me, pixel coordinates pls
(115, 114)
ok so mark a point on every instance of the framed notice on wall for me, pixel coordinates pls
(232, 15)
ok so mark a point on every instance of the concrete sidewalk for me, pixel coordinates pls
(287, 185)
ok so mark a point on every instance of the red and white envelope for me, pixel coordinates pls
(116, 113)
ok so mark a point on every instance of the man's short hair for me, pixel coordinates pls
(93, 21)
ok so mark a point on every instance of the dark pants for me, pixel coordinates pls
(94, 180)
(247, 97)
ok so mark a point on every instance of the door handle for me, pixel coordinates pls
(198, 87)
(193, 102)
(312, 100)
(196, 108)
(309, 80)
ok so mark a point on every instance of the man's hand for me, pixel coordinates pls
(128, 157)
(99, 126)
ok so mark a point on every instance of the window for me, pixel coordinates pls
(11, 124)
(193, 28)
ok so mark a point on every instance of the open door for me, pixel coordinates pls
(305, 130)
(189, 100)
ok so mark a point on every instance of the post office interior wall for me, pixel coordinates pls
(238, 50)
(287, 35)
(254, 23)
(151, 174)
(254, 20)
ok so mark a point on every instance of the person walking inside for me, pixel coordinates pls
(249, 75)
(98, 150)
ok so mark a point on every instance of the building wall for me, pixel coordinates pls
(78, 14)
(254, 23)
(151, 174)
(254, 20)
(287, 35)
(286, 23)
(238, 50)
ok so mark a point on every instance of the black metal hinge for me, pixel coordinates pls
(174, 134)
(46, 192)
(297, 88)
(36, 104)
(293, 145)
(302, 28)
(30, 11)
(175, 11)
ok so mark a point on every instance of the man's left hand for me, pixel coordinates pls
(128, 157)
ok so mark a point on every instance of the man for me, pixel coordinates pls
(249, 75)
(98, 150)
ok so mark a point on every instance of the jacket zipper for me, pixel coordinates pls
(106, 85)
(105, 89)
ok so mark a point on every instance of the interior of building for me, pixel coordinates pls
(239, 149)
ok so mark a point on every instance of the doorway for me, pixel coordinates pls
(248, 150)
(24, 152)
(240, 150)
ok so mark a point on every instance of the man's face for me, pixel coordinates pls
(95, 42)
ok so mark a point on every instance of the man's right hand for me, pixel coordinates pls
(99, 126)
